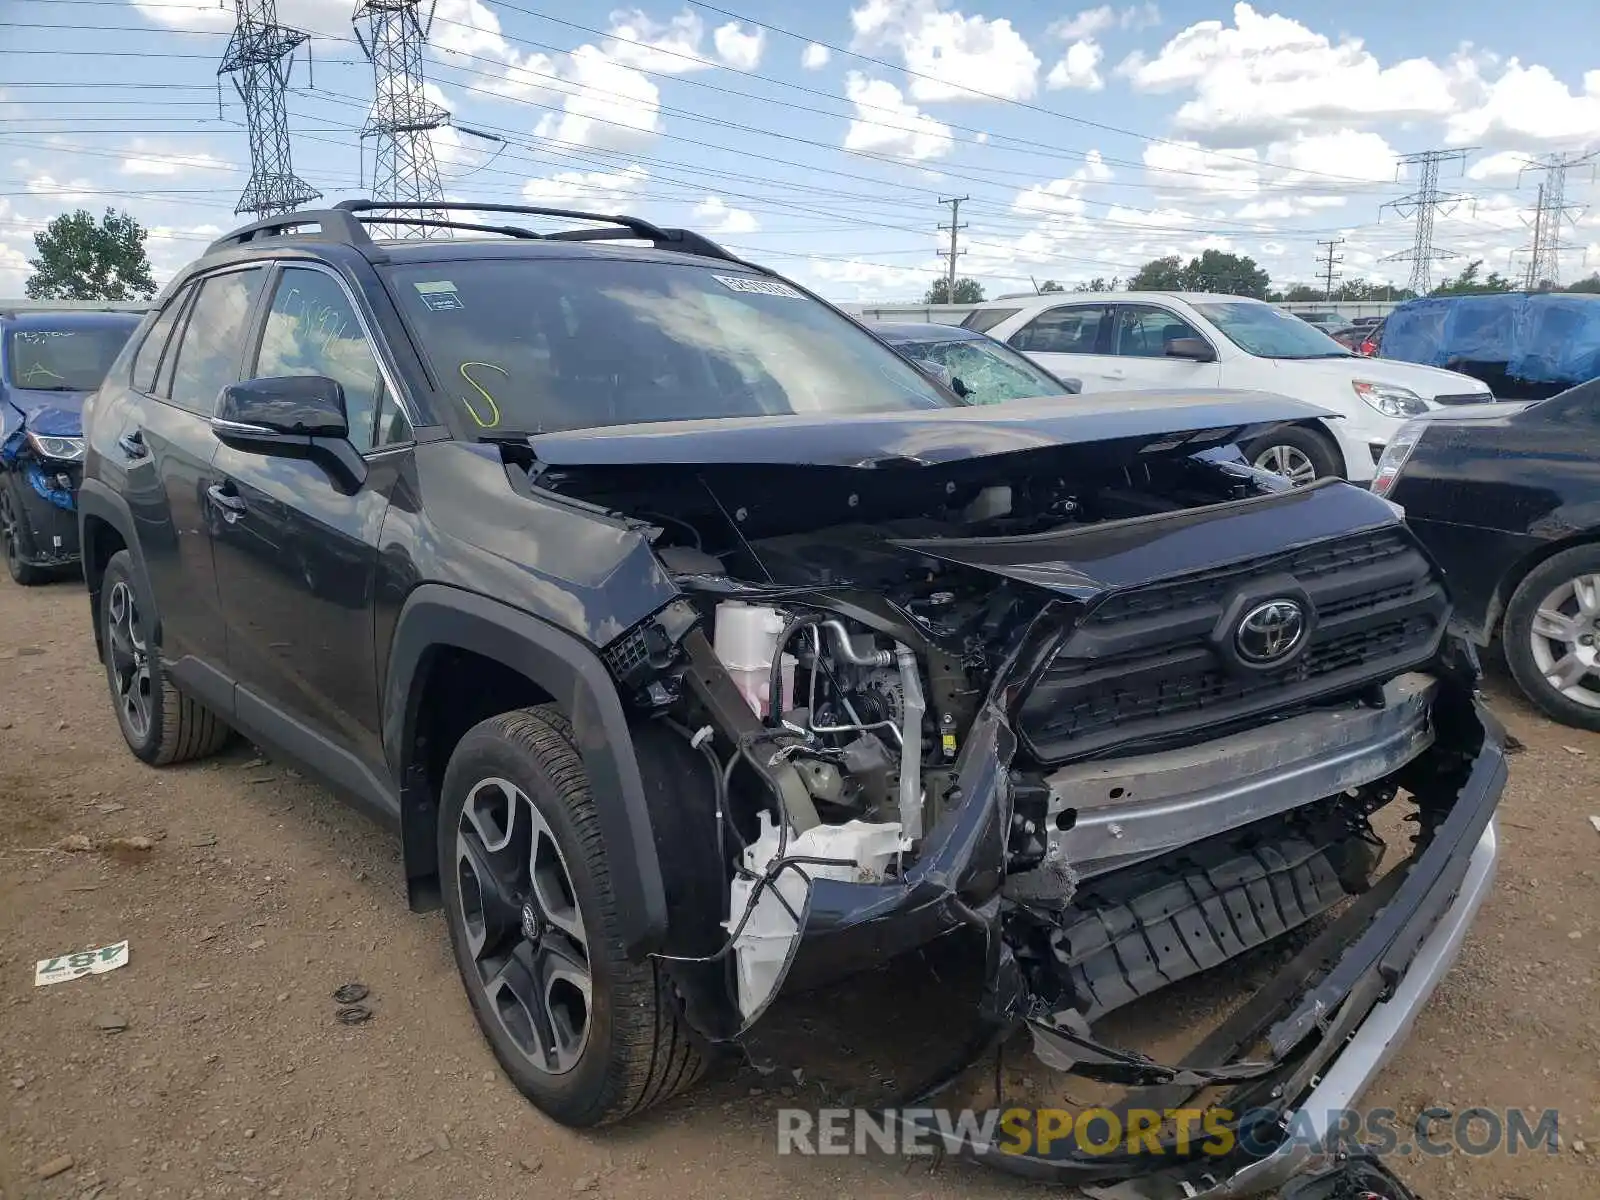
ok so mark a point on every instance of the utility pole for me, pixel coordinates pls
(1422, 204)
(259, 56)
(1544, 257)
(402, 118)
(1329, 263)
(954, 227)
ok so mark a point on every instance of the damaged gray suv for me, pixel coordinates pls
(701, 651)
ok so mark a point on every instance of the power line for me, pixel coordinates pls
(1331, 245)
(954, 227)
(1544, 257)
(403, 166)
(259, 56)
(1422, 204)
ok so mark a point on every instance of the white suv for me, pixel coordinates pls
(1189, 340)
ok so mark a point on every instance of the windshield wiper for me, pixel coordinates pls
(54, 387)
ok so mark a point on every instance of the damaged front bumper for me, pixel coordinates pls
(1329, 1021)
(44, 503)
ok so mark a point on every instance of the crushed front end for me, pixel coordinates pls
(41, 465)
(1125, 729)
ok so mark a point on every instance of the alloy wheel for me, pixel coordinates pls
(1288, 461)
(524, 928)
(1565, 640)
(8, 532)
(130, 660)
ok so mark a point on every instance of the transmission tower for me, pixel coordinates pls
(1544, 258)
(402, 118)
(259, 56)
(1422, 204)
(954, 227)
(1329, 262)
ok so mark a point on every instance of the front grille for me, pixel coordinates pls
(1464, 398)
(1141, 665)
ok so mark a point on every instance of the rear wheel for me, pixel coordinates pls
(585, 1034)
(18, 544)
(160, 724)
(1552, 636)
(1300, 455)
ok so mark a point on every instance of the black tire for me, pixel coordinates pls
(18, 541)
(639, 1049)
(176, 728)
(1517, 636)
(1317, 448)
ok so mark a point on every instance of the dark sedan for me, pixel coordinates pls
(1507, 498)
(980, 369)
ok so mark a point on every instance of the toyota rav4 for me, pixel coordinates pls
(701, 651)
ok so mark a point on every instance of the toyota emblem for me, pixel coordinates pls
(1270, 633)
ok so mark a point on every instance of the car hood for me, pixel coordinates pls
(62, 410)
(1426, 382)
(926, 437)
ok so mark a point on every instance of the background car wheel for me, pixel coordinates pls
(1299, 455)
(1551, 636)
(18, 545)
(585, 1034)
(160, 724)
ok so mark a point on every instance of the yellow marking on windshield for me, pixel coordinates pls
(494, 408)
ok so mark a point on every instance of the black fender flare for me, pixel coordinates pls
(563, 666)
(96, 500)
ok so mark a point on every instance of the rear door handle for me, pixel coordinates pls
(132, 444)
(228, 500)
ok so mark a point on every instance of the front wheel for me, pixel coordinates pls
(1551, 636)
(18, 545)
(1300, 455)
(584, 1033)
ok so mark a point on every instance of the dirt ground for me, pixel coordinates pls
(261, 894)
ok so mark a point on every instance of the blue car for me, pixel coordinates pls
(49, 363)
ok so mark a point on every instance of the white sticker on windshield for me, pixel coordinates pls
(440, 296)
(760, 287)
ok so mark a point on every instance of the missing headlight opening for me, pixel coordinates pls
(1017, 697)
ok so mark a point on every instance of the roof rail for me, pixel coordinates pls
(333, 226)
(685, 240)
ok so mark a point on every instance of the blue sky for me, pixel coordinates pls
(820, 138)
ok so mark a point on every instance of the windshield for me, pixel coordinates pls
(64, 360)
(989, 371)
(537, 345)
(1269, 332)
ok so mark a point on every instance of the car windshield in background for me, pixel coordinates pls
(532, 345)
(1269, 332)
(990, 372)
(64, 360)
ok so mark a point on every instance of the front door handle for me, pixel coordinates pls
(228, 500)
(132, 444)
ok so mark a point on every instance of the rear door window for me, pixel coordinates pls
(1143, 330)
(208, 356)
(148, 360)
(1070, 329)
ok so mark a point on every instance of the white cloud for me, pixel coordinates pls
(66, 191)
(952, 56)
(669, 47)
(14, 270)
(145, 158)
(1506, 164)
(592, 189)
(713, 212)
(738, 47)
(1086, 24)
(1232, 173)
(1140, 16)
(886, 124)
(1063, 197)
(1530, 107)
(1268, 74)
(1348, 154)
(848, 279)
(613, 107)
(1079, 69)
(814, 57)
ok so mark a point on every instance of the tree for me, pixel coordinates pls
(1098, 284)
(1300, 293)
(1159, 275)
(1468, 284)
(81, 260)
(1050, 285)
(1591, 284)
(968, 291)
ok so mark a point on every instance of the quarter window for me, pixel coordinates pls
(312, 329)
(1068, 330)
(1143, 331)
(208, 357)
(149, 357)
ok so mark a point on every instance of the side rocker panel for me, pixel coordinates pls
(435, 615)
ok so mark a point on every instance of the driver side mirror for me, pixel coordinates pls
(294, 416)
(1195, 349)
